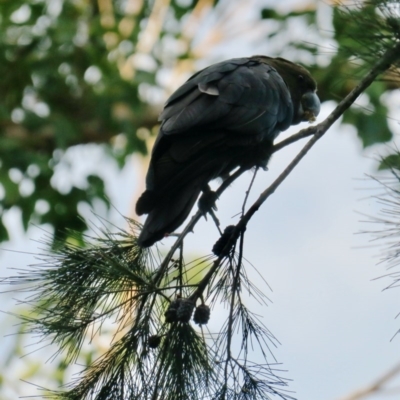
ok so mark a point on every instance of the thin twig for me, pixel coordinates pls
(189, 227)
(294, 138)
(216, 220)
(318, 131)
(375, 386)
(248, 191)
(180, 277)
(234, 292)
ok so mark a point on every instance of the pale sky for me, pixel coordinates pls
(334, 323)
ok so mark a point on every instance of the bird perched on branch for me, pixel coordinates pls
(224, 117)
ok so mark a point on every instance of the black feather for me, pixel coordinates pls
(223, 117)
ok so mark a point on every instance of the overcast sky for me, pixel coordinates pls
(332, 320)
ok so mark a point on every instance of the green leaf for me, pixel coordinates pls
(390, 162)
(11, 189)
(96, 189)
(27, 206)
(4, 236)
(270, 13)
(371, 128)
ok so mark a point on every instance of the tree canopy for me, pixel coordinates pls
(80, 72)
(77, 72)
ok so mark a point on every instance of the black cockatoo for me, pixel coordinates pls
(225, 116)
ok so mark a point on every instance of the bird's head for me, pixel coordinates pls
(301, 85)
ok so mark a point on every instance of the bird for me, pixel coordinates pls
(224, 117)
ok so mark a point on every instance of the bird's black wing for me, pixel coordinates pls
(237, 102)
(210, 125)
(241, 95)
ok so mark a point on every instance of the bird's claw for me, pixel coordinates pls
(207, 202)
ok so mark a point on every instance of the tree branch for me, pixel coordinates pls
(374, 387)
(294, 138)
(318, 131)
(192, 223)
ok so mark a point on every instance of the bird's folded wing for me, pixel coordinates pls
(242, 96)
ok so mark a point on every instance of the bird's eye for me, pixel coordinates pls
(301, 78)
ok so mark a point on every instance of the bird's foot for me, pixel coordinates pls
(207, 201)
(207, 204)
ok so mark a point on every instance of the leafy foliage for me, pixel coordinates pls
(79, 72)
(362, 32)
(70, 79)
(350, 23)
(114, 280)
(385, 229)
(79, 83)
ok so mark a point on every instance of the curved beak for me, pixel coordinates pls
(311, 106)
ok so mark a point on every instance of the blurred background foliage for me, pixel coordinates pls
(84, 72)
(78, 72)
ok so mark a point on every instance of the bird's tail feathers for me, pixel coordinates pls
(169, 215)
(146, 202)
